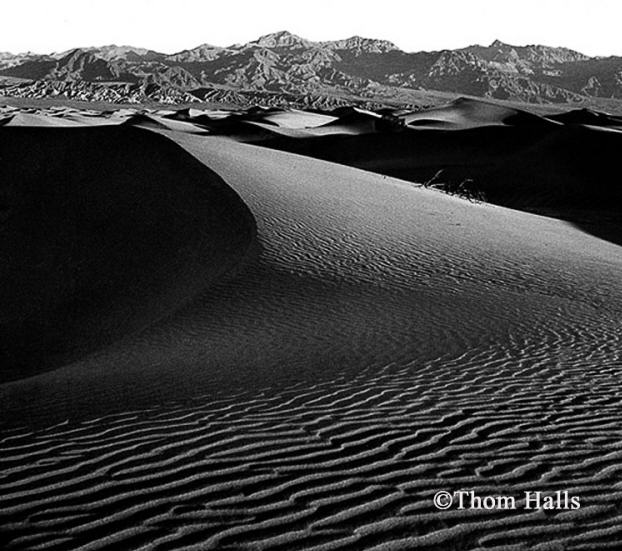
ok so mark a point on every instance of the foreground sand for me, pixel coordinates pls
(381, 342)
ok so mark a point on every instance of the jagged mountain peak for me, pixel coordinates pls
(360, 44)
(19, 54)
(281, 39)
(202, 53)
(496, 43)
(204, 46)
(526, 60)
(9, 59)
(77, 53)
(557, 53)
(112, 51)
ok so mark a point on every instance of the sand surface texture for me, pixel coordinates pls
(365, 343)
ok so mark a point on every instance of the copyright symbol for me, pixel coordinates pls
(443, 500)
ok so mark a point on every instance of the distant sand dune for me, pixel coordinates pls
(38, 120)
(588, 116)
(467, 113)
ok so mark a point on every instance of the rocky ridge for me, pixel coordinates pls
(283, 65)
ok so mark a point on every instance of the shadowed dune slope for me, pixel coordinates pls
(104, 230)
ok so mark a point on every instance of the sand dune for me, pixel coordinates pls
(153, 121)
(296, 118)
(385, 342)
(565, 166)
(587, 116)
(134, 229)
(559, 164)
(293, 123)
(31, 119)
(466, 113)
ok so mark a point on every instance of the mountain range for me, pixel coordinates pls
(284, 68)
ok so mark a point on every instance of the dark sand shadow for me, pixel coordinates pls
(104, 231)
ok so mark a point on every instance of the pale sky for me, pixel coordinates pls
(43, 26)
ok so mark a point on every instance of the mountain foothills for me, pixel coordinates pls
(284, 68)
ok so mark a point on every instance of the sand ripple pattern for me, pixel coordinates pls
(349, 463)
